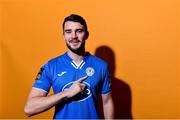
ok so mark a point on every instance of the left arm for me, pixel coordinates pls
(108, 106)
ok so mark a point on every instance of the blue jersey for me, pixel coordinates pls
(62, 71)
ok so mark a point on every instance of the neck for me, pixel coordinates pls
(77, 57)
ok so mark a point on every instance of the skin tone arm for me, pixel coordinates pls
(38, 101)
(108, 106)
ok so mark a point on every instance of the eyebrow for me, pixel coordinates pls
(75, 30)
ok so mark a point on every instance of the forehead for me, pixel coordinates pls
(73, 25)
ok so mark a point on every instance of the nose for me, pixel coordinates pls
(74, 35)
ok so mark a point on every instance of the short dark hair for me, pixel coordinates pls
(76, 18)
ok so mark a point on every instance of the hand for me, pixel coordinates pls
(77, 87)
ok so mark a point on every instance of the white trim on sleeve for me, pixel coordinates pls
(40, 89)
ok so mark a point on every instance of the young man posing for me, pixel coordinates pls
(77, 78)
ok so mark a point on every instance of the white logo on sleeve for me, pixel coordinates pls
(62, 73)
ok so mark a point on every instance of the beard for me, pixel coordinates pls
(78, 50)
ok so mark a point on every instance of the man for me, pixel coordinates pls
(77, 78)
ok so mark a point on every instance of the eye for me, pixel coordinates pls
(67, 31)
(80, 30)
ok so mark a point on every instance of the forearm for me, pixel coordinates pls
(108, 111)
(39, 104)
(108, 106)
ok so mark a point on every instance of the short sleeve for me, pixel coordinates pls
(43, 80)
(106, 81)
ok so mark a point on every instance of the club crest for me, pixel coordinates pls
(90, 71)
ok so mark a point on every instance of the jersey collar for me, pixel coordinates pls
(73, 63)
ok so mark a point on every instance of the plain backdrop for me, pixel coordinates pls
(139, 38)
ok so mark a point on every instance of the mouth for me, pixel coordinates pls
(74, 41)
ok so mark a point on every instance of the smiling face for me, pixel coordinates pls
(74, 35)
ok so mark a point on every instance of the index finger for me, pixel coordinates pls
(82, 79)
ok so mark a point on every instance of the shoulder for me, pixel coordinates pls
(54, 60)
(98, 61)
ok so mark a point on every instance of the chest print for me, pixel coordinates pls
(82, 96)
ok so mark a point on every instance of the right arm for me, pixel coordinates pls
(38, 101)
